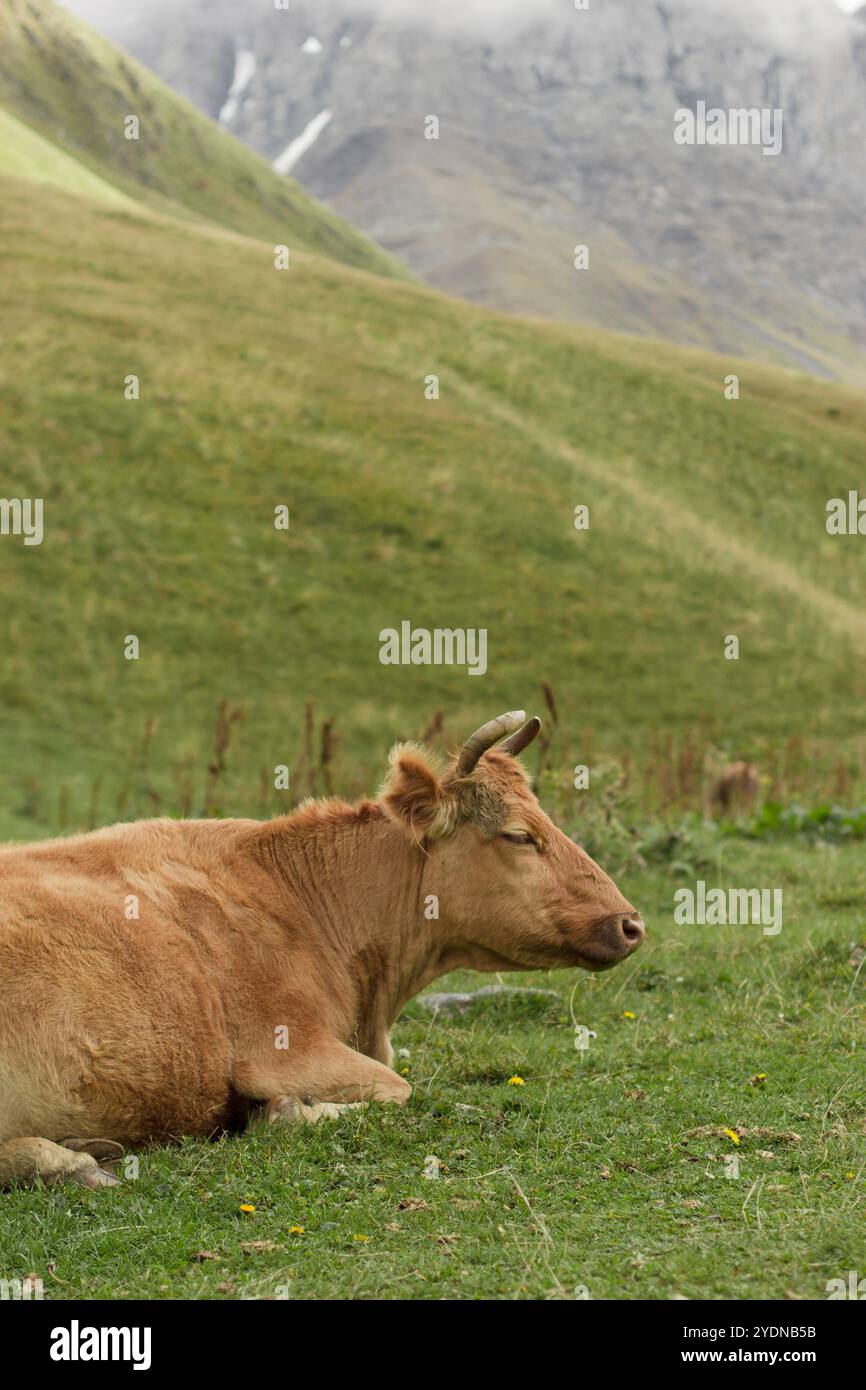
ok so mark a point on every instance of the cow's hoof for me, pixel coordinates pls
(97, 1177)
(320, 1110)
(306, 1111)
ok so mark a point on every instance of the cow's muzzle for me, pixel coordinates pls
(613, 940)
(630, 931)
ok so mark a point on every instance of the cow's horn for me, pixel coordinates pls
(485, 737)
(517, 742)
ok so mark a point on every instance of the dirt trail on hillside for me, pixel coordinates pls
(771, 573)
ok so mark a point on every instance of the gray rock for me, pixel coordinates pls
(492, 995)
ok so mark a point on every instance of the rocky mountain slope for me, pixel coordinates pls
(556, 130)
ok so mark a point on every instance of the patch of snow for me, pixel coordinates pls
(345, 41)
(299, 146)
(245, 66)
(312, 45)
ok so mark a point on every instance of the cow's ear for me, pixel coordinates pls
(412, 794)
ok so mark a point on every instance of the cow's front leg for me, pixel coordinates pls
(325, 1081)
(382, 1050)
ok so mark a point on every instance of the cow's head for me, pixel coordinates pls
(513, 891)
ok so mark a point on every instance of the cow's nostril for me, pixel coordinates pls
(633, 930)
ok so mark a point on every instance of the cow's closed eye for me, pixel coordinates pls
(517, 838)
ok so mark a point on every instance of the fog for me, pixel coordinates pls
(484, 17)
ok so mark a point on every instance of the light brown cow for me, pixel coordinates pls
(735, 789)
(268, 960)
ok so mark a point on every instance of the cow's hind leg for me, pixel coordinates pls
(25, 1161)
(108, 1149)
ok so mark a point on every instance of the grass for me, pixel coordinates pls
(585, 1176)
(306, 388)
(26, 155)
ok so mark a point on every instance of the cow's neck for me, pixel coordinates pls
(359, 879)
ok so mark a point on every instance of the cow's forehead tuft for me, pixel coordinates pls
(503, 772)
(496, 784)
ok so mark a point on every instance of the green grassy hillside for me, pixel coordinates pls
(74, 88)
(306, 388)
(25, 154)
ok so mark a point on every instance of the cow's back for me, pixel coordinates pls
(116, 950)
